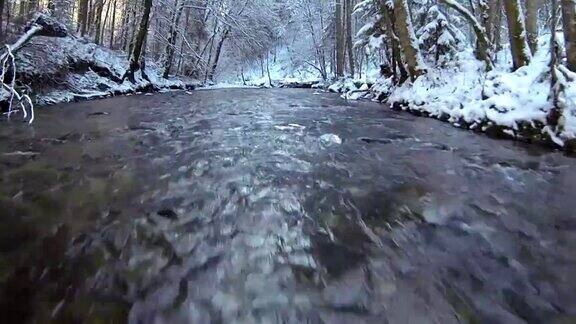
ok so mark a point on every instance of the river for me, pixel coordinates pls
(267, 206)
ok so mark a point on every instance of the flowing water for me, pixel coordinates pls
(267, 206)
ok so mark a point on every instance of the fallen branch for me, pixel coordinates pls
(42, 25)
(8, 78)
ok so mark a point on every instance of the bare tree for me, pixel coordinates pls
(139, 40)
(171, 45)
(82, 17)
(113, 24)
(349, 26)
(339, 38)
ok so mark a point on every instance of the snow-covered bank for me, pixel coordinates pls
(499, 102)
(71, 69)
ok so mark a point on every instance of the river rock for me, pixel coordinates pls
(330, 139)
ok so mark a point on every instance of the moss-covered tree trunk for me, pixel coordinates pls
(517, 33)
(407, 39)
(569, 24)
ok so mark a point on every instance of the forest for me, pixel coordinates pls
(393, 51)
(287, 161)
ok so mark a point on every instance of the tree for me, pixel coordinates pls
(99, 7)
(171, 45)
(439, 37)
(339, 38)
(569, 25)
(349, 27)
(139, 40)
(517, 33)
(407, 39)
(82, 17)
(532, 23)
(482, 42)
(387, 13)
(1, 16)
(113, 24)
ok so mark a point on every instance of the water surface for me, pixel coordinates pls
(248, 205)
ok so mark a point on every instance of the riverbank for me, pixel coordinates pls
(501, 103)
(71, 69)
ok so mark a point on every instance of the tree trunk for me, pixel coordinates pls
(113, 24)
(136, 53)
(1, 17)
(106, 17)
(517, 33)
(90, 19)
(555, 113)
(99, 7)
(496, 35)
(214, 65)
(569, 24)
(407, 39)
(532, 24)
(339, 39)
(82, 17)
(395, 49)
(482, 43)
(268, 70)
(171, 46)
(349, 44)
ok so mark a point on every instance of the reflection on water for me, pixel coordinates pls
(277, 206)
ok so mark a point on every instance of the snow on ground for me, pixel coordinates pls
(73, 69)
(281, 68)
(225, 85)
(468, 96)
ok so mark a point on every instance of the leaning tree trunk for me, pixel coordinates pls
(134, 64)
(339, 37)
(217, 54)
(482, 41)
(517, 33)
(408, 41)
(171, 46)
(532, 24)
(569, 24)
